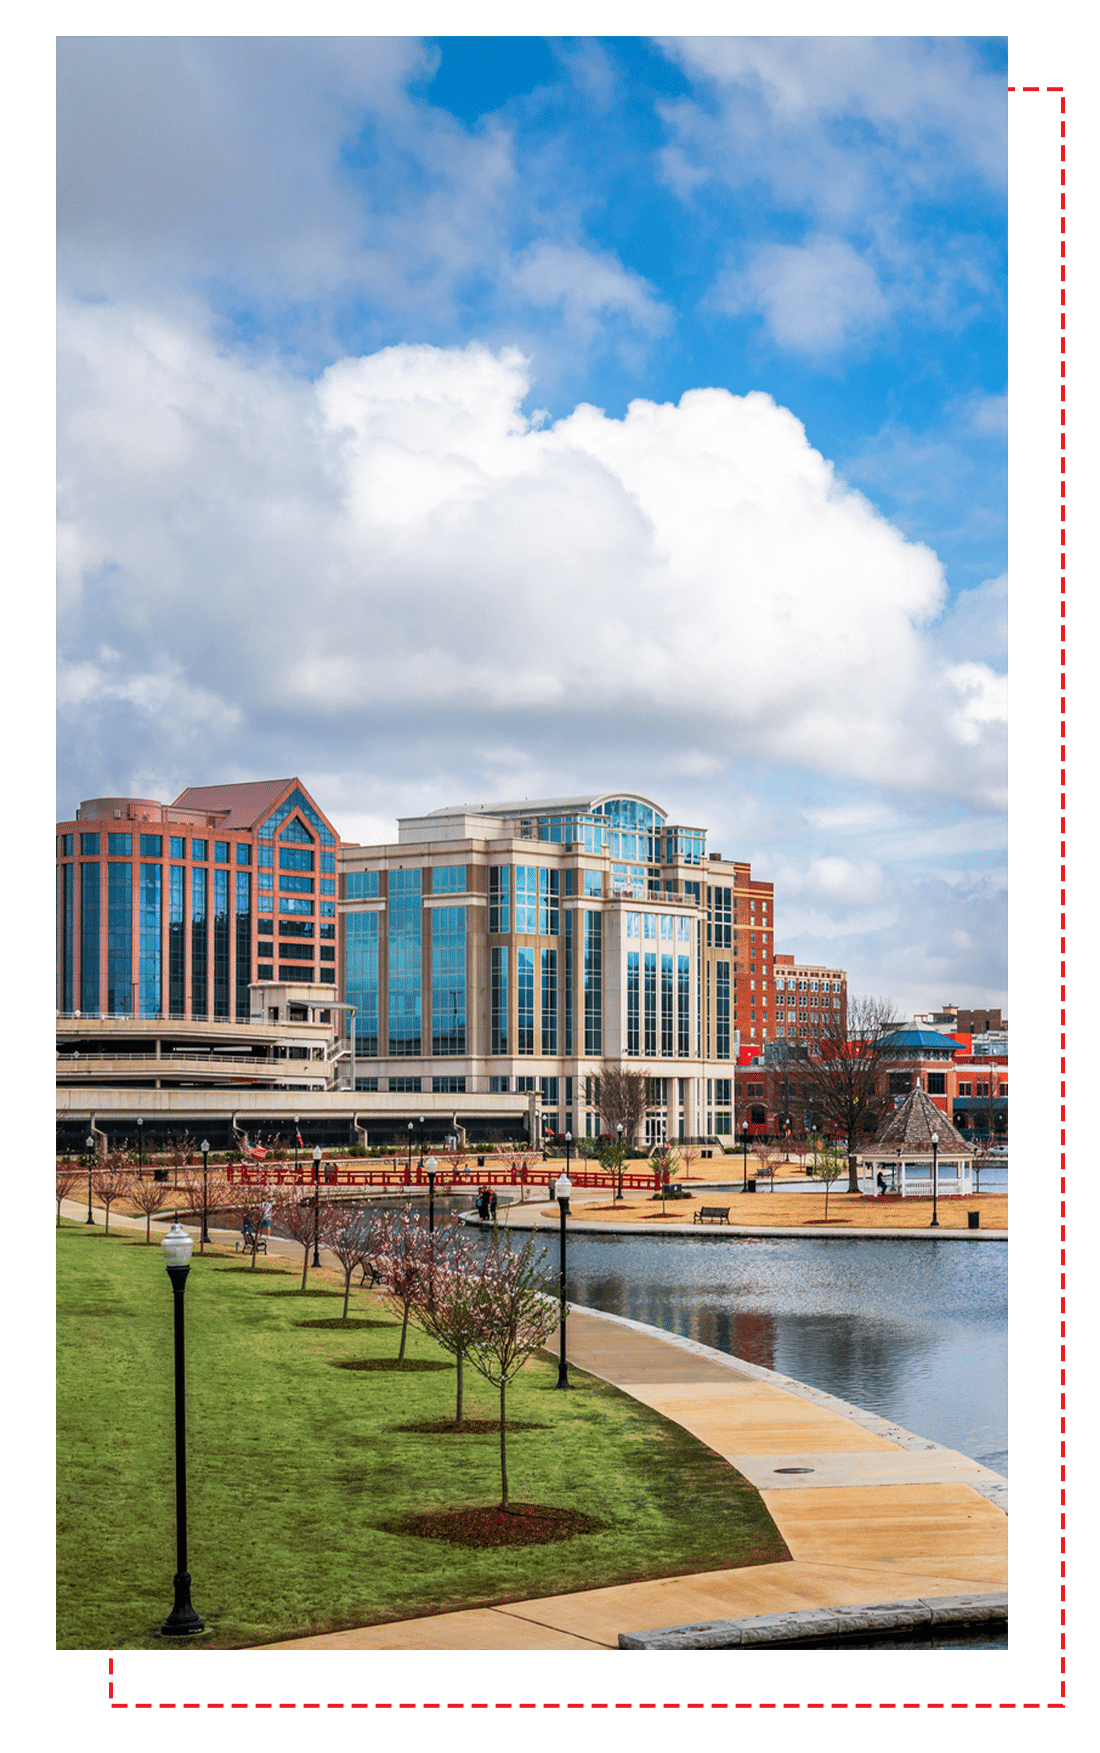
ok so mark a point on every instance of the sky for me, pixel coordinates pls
(459, 419)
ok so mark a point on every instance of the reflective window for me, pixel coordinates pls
(119, 937)
(89, 845)
(121, 845)
(327, 907)
(221, 852)
(361, 979)
(287, 906)
(449, 879)
(295, 858)
(176, 879)
(683, 1006)
(593, 983)
(362, 885)
(721, 1010)
(244, 853)
(327, 861)
(448, 979)
(199, 964)
(296, 885)
(265, 857)
(89, 936)
(65, 920)
(525, 1000)
(66, 845)
(593, 882)
(448, 1086)
(177, 846)
(150, 845)
(407, 1086)
(404, 926)
(527, 898)
(650, 1010)
(149, 936)
(550, 1002)
(244, 940)
(327, 885)
(498, 1000)
(499, 906)
(198, 850)
(221, 941)
(633, 1043)
(297, 801)
(296, 830)
(265, 879)
(548, 903)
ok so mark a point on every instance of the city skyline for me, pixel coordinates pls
(504, 418)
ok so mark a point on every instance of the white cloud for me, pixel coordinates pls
(816, 296)
(395, 555)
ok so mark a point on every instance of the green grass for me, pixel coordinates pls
(296, 1467)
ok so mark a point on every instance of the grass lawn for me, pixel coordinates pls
(297, 1469)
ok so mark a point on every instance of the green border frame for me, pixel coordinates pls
(72, 1685)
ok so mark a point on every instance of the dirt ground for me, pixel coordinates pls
(785, 1209)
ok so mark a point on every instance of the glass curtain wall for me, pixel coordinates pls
(404, 963)
(89, 939)
(449, 979)
(149, 938)
(119, 938)
(361, 979)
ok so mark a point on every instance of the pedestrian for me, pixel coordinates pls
(493, 1205)
(265, 1224)
(881, 1183)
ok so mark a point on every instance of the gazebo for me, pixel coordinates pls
(903, 1151)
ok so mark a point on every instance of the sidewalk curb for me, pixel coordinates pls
(770, 1629)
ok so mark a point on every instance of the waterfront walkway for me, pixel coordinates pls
(883, 1515)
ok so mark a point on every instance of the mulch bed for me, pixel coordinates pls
(468, 1427)
(271, 1271)
(390, 1363)
(521, 1524)
(342, 1326)
(307, 1292)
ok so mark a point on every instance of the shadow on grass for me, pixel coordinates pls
(308, 1292)
(339, 1325)
(411, 1365)
(468, 1427)
(270, 1271)
(517, 1524)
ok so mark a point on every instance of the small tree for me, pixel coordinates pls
(301, 1219)
(252, 1202)
(402, 1264)
(205, 1193)
(448, 1304)
(828, 1167)
(66, 1178)
(354, 1237)
(844, 1072)
(515, 1315)
(622, 1100)
(687, 1154)
(148, 1196)
(111, 1182)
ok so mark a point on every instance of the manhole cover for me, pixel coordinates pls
(792, 1469)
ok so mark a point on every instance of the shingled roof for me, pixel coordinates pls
(247, 804)
(911, 1126)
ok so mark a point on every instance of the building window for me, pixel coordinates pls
(89, 846)
(499, 1086)
(527, 898)
(199, 945)
(666, 1006)
(361, 885)
(449, 1086)
(89, 937)
(244, 939)
(221, 852)
(265, 970)
(296, 801)
(633, 1041)
(548, 904)
(937, 1083)
(287, 906)
(650, 1046)
(404, 1086)
(568, 1048)
(720, 917)
(593, 882)
(404, 963)
(593, 983)
(296, 885)
(221, 942)
(683, 1006)
(449, 977)
(525, 996)
(198, 851)
(296, 952)
(120, 845)
(294, 858)
(498, 1001)
(721, 1010)
(244, 853)
(119, 937)
(361, 979)
(149, 937)
(65, 910)
(449, 879)
(499, 905)
(549, 1015)
(150, 845)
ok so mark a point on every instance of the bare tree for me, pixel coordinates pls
(66, 1179)
(687, 1154)
(844, 1069)
(111, 1182)
(205, 1193)
(828, 1167)
(515, 1316)
(148, 1196)
(622, 1100)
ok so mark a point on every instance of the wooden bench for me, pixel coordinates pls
(711, 1214)
(243, 1244)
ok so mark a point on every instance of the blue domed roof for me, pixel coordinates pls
(914, 1042)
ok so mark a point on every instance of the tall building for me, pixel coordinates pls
(808, 996)
(177, 910)
(518, 946)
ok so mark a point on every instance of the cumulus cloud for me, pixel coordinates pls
(816, 296)
(396, 550)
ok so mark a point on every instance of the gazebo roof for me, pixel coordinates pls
(911, 1126)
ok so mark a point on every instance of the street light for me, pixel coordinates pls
(183, 1621)
(316, 1200)
(409, 1171)
(935, 1224)
(562, 1190)
(205, 1148)
(141, 1162)
(89, 1143)
(297, 1138)
(431, 1165)
(619, 1130)
(421, 1151)
(745, 1156)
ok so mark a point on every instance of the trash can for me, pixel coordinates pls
(751, 1184)
(972, 1218)
(160, 1174)
(481, 1162)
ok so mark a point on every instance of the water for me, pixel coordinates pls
(915, 1331)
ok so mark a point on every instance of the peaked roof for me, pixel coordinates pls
(247, 804)
(913, 1124)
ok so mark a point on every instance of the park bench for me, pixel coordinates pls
(711, 1214)
(369, 1266)
(244, 1242)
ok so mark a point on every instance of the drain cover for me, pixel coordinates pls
(792, 1469)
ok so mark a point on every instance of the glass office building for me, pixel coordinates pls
(178, 910)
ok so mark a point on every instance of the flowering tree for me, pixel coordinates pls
(148, 1196)
(206, 1193)
(300, 1219)
(447, 1302)
(111, 1182)
(253, 1203)
(515, 1315)
(408, 1259)
(354, 1236)
(66, 1179)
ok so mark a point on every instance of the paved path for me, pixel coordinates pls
(884, 1515)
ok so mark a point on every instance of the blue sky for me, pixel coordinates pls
(337, 317)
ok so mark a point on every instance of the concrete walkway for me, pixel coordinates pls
(883, 1515)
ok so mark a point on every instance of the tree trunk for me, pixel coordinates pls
(827, 1186)
(305, 1264)
(347, 1288)
(503, 1459)
(853, 1172)
(458, 1388)
(404, 1331)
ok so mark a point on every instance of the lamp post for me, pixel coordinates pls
(141, 1160)
(409, 1171)
(183, 1621)
(89, 1144)
(562, 1190)
(205, 1148)
(619, 1130)
(420, 1152)
(431, 1166)
(935, 1224)
(316, 1200)
(745, 1156)
(297, 1135)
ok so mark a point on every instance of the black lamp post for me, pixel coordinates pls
(316, 1200)
(297, 1136)
(745, 1156)
(431, 1166)
(205, 1148)
(409, 1171)
(562, 1190)
(935, 1224)
(420, 1152)
(141, 1160)
(89, 1143)
(619, 1130)
(183, 1621)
